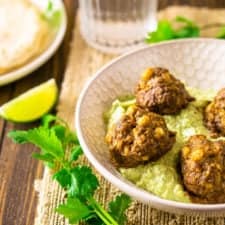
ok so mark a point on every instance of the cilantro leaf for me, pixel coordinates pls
(54, 137)
(189, 28)
(53, 15)
(17, 136)
(43, 138)
(50, 6)
(72, 138)
(46, 158)
(63, 177)
(60, 131)
(94, 220)
(185, 21)
(75, 153)
(83, 182)
(187, 32)
(118, 207)
(221, 33)
(47, 120)
(164, 32)
(74, 210)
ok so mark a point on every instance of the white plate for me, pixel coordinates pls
(44, 56)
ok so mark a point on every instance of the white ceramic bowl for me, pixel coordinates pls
(198, 62)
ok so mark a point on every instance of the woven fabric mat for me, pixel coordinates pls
(83, 62)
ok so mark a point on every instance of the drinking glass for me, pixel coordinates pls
(116, 26)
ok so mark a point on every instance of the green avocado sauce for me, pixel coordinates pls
(161, 177)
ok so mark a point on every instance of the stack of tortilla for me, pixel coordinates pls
(24, 33)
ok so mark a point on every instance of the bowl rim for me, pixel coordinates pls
(125, 187)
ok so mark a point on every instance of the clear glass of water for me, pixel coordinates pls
(115, 26)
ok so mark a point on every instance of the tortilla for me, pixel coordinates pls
(24, 33)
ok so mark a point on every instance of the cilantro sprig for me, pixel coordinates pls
(186, 29)
(60, 150)
(52, 15)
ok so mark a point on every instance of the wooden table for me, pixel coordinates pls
(17, 168)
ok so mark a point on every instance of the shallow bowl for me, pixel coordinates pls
(198, 62)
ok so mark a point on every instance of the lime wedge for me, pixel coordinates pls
(31, 105)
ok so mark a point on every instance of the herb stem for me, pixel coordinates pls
(102, 217)
(102, 213)
(212, 25)
(60, 149)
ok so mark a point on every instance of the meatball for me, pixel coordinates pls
(139, 137)
(214, 115)
(160, 92)
(203, 169)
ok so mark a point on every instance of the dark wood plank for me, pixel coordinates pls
(18, 171)
(6, 93)
(17, 168)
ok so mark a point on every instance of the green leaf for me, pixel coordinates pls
(74, 210)
(187, 32)
(76, 152)
(72, 138)
(53, 15)
(94, 220)
(185, 20)
(43, 138)
(46, 158)
(189, 29)
(59, 126)
(221, 33)
(53, 137)
(60, 131)
(56, 18)
(47, 120)
(50, 6)
(63, 177)
(19, 137)
(83, 182)
(118, 207)
(164, 32)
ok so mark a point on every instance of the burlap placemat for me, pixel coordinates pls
(83, 62)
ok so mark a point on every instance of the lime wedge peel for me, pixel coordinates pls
(32, 104)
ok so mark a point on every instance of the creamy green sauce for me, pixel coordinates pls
(161, 177)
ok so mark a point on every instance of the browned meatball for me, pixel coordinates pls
(139, 137)
(160, 92)
(203, 169)
(215, 115)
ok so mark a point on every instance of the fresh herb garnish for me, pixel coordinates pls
(60, 148)
(221, 32)
(186, 29)
(52, 15)
(118, 212)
